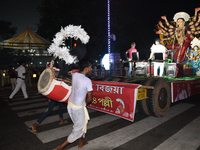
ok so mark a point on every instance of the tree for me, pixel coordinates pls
(6, 31)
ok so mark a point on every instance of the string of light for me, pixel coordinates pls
(109, 31)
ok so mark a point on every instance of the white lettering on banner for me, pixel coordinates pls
(108, 89)
(101, 87)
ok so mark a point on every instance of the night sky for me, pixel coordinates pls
(23, 13)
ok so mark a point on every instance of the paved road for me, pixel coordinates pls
(178, 130)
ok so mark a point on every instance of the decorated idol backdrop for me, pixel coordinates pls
(115, 98)
(179, 33)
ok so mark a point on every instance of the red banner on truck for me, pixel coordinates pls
(115, 98)
(183, 89)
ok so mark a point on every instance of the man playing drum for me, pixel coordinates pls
(81, 87)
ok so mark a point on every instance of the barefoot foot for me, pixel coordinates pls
(81, 145)
(62, 122)
(34, 126)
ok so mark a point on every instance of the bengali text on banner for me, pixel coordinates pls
(115, 98)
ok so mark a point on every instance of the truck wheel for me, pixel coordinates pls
(141, 105)
(159, 98)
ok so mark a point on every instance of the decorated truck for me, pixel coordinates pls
(150, 94)
(121, 95)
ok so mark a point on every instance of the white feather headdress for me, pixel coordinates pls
(63, 52)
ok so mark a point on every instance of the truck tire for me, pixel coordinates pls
(141, 105)
(159, 102)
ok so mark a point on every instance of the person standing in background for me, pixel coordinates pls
(130, 51)
(1, 80)
(29, 76)
(102, 71)
(158, 48)
(21, 72)
(13, 77)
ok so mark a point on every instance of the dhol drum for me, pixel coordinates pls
(52, 88)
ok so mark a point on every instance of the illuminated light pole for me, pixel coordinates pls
(109, 34)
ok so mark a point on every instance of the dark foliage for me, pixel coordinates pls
(6, 31)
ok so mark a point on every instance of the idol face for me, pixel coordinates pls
(181, 23)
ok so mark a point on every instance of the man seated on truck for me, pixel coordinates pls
(158, 51)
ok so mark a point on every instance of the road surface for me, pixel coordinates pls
(178, 130)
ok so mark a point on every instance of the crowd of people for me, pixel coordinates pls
(8, 77)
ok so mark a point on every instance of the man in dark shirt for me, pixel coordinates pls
(13, 75)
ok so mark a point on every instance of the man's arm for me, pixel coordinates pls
(89, 97)
(126, 55)
(165, 53)
(151, 55)
(26, 72)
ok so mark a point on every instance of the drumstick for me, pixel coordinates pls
(68, 79)
(65, 80)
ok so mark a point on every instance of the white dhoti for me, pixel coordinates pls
(79, 116)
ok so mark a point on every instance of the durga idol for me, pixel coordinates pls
(181, 34)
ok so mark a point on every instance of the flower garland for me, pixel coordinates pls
(63, 52)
